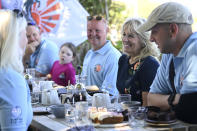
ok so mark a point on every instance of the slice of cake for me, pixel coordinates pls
(102, 116)
(110, 118)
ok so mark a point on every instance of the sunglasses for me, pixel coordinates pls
(31, 23)
(18, 13)
(89, 18)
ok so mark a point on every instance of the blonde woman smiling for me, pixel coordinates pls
(138, 66)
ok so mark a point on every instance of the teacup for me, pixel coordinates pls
(101, 100)
(58, 110)
(45, 85)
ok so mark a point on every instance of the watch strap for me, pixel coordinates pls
(171, 99)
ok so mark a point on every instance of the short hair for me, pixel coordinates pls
(150, 48)
(30, 23)
(11, 53)
(71, 46)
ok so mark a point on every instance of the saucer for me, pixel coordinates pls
(161, 123)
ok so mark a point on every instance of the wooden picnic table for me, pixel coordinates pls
(50, 123)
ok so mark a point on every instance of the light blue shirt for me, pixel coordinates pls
(15, 101)
(44, 57)
(185, 64)
(101, 68)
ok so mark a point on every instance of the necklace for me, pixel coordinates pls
(134, 67)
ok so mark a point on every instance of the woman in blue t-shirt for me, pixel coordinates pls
(15, 101)
(138, 65)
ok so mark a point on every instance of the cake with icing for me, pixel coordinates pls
(102, 116)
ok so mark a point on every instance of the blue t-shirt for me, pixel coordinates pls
(101, 67)
(15, 101)
(185, 64)
(136, 77)
(44, 57)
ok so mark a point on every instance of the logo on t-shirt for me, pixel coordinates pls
(62, 76)
(16, 112)
(97, 68)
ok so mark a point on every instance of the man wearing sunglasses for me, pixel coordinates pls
(101, 62)
(41, 53)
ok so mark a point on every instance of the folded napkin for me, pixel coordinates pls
(82, 128)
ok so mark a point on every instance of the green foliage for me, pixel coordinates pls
(98, 7)
(118, 45)
(95, 7)
(116, 14)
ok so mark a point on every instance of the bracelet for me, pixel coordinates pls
(171, 99)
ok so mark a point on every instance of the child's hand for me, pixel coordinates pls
(49, 76)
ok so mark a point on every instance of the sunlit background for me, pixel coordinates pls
(115, 11)
(142, 8)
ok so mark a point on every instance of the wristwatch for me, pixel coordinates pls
(171, 99)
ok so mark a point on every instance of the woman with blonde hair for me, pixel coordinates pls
(15, 101)
(139, 63)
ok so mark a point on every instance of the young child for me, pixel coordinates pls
(63, 71)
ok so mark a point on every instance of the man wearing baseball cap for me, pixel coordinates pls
(175, 84)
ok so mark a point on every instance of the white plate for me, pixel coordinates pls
(111, 125)
(161, 124)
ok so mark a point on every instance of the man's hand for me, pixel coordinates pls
(31, 48)
(161, 100)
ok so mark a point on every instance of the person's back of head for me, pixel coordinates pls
(11, 25)
(170, 12)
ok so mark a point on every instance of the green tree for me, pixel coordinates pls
(97, 7)
(110, 10)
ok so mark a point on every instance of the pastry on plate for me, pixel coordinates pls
(92, 88)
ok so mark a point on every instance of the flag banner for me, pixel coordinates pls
(11, 4)
(59, 20)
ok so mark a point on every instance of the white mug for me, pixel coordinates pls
(45, 97)
(53, 97)
(101, 100)
(45, 85)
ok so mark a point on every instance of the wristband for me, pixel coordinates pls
(171, 99)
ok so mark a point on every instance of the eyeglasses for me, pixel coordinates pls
(18, 13)
(89, 18)
(31, 23)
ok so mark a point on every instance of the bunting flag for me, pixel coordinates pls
(59, 20)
